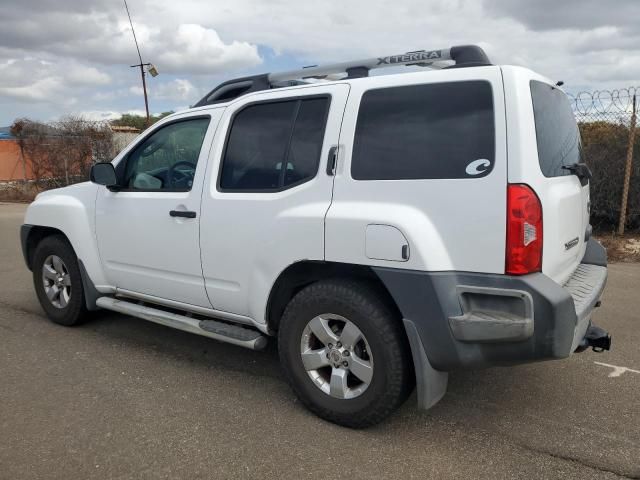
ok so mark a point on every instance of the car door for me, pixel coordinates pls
(267, 192)
(148, 230)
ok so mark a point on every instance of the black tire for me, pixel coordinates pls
(75, 311)
(364, 305)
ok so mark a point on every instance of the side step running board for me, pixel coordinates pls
(224, 332)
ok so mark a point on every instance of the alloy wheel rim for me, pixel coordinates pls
(57, 281)
(336, 356)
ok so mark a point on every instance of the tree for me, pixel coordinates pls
(63, 152)
(138, 121)
(605, 150)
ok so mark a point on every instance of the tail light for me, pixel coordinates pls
(524, 231)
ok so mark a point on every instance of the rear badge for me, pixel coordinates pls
(571, 243)
(478, 166)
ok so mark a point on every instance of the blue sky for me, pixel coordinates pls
(60, 57)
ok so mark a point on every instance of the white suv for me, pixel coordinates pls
(385, 229)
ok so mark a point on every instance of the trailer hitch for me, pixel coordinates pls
(596, 338)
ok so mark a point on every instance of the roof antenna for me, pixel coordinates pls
(559, 83)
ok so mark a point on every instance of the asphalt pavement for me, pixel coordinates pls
(122, 398)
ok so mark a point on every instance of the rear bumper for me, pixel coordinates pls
(470, 320)
(585, 287)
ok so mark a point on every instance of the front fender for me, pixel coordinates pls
(72, 211)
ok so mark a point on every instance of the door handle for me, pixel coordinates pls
(182, 213)
(332, 160)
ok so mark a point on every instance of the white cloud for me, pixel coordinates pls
(82, 75)
(179, 89)
(44, 89)
(34, 79)
(64, 51)
(136, 90)
(196, 49)
(99, 37)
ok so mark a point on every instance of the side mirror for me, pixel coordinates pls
(104, 174)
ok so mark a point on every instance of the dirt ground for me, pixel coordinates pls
(624, 248)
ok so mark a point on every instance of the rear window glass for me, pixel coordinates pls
(557, 133)
(440, 130)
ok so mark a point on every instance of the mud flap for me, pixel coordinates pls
(431, 384)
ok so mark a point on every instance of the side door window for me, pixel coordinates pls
(273, 146)
(167, 159)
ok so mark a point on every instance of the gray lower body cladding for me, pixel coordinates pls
(25, 230)
(537, 319)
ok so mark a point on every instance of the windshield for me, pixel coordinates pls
(557, 133)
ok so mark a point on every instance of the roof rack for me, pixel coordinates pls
(463, 56)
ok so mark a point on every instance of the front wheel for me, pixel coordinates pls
(345, 353)
(57, 281)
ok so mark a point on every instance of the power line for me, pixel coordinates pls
(141, 65)
(132, 30)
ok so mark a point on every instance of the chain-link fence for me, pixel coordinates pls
(605, 120)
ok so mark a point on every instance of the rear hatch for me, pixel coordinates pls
(564, 193)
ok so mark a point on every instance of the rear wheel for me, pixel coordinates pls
(344, 352)
(57, 281)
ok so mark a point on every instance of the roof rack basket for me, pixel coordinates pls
(463, 56)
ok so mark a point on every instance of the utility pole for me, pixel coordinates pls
(144, 86)
(627, 170)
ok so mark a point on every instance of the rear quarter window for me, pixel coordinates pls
(557, 133)
(432, 131)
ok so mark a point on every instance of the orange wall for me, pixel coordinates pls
(11, 161)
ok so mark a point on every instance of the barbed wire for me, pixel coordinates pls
(617, 102)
